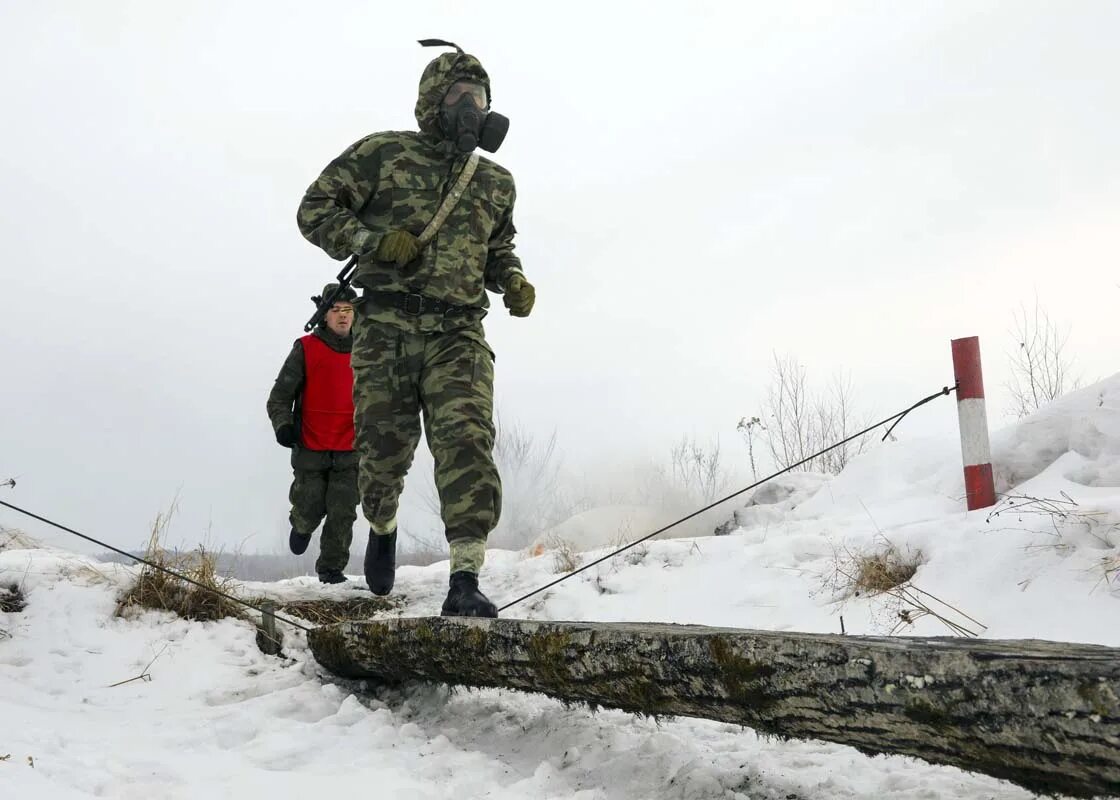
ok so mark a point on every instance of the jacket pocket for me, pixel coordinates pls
(416, 194)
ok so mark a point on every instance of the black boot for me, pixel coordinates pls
(297, 542)
(332, 576)
(465, 600)
(381, 562)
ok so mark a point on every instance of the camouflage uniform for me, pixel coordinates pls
(434, 363)
(325, 482)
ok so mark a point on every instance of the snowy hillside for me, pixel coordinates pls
(219, 719)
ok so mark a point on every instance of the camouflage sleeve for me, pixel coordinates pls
(328, 214)
(501, 263)
(289, 384)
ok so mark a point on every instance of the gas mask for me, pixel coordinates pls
(466, 120)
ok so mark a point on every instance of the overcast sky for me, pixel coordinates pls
(700, 186)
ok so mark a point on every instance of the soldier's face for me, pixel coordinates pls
(340, 318)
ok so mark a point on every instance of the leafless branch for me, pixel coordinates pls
(1040, 366)
(802, 423)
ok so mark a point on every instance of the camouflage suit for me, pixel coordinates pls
(412, 361)
(325, 482)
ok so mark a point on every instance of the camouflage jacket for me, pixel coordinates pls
(397, 179)
(283, 400)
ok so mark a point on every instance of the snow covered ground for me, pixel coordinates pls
(219, 719)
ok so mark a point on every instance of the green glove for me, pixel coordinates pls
(399, 246)
(520, 296)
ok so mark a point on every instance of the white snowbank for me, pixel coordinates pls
(218, 719)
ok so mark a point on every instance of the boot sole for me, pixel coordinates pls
(446, 613)
(379, 590)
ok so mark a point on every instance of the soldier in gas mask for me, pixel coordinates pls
(432, 225)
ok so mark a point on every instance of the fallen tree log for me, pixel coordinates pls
(1043, 715)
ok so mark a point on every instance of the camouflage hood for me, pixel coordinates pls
(441, 72)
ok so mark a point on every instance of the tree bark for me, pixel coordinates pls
(1043, 715)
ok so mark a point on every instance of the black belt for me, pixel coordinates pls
(415, 304)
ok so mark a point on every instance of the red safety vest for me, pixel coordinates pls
(327, 408)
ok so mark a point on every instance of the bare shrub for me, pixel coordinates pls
(802, 422)
(750, 428)
(836, 421)
(422, 551)
(1040, 366)
(534, 498)
(1062, 519)
(1067, 526)
(565, 558)
(535, 495)
(693, 475)
(156, 589)
(790, 436)
(698, 470)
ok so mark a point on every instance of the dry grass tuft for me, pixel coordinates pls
(884, 576)
(161, 591)
(633, 556)
(871, 570)
(1110, 566)
(13, 539)
(882, 570)
(329, 611)
(12, 599)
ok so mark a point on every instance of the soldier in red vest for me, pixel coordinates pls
(312, 411)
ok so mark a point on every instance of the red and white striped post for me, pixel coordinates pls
(976, 450)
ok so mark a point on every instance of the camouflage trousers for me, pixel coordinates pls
(448, 379)
(325, 485)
